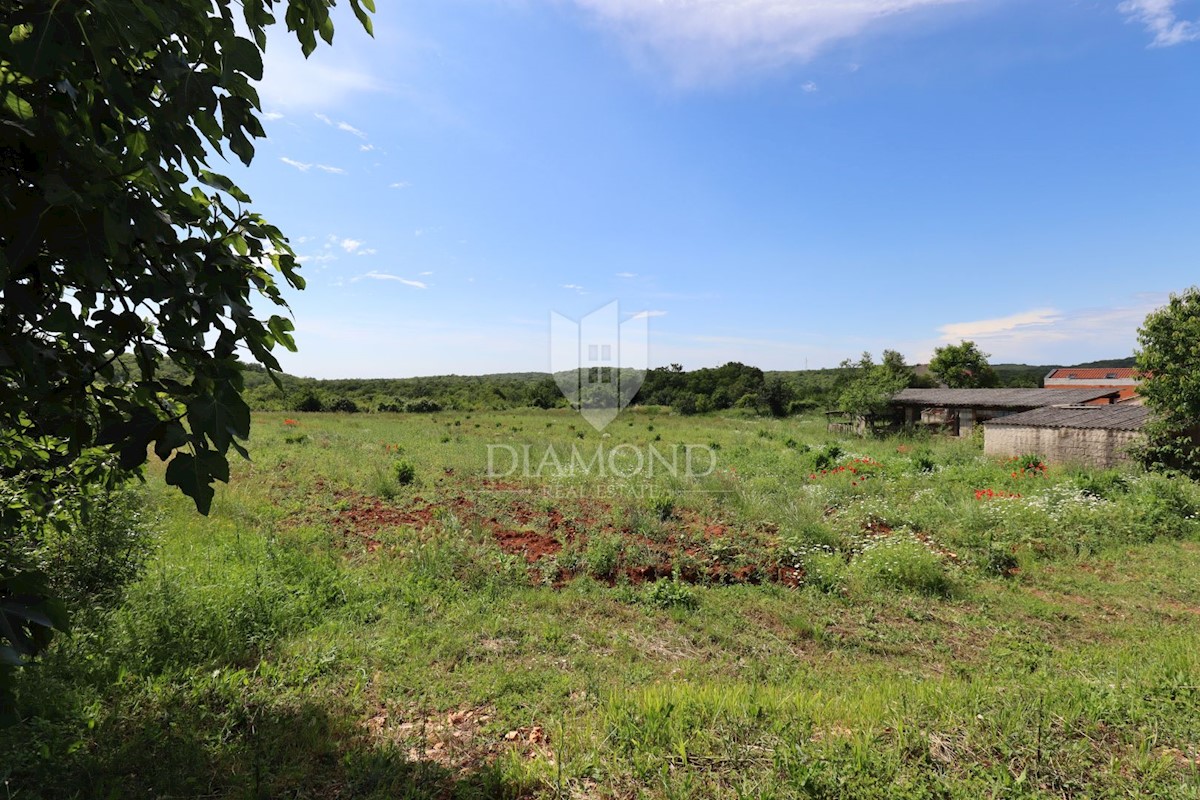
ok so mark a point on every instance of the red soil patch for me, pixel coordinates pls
(532, 526)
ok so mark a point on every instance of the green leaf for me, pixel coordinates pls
(224, 184)
(219, 416)
(185, 472)
(243, 55)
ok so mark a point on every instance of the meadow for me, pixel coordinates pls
(368, 613)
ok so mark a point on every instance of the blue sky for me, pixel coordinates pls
(779, 183)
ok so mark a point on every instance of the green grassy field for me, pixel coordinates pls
(778, 627)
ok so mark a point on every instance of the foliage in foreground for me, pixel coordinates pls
(117, 240)
(938, 643)
(1169, 361)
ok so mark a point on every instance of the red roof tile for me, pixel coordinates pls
(1095, 374)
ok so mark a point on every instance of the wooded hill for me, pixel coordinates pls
(733, 385)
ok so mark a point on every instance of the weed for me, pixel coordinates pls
(672, 593)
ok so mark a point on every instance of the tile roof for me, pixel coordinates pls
(1094, 374)
(1120, 417)
(998, 398)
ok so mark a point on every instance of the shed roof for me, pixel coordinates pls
(1120, 417)
(1094, 373)
(998, 398)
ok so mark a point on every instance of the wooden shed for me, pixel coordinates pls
(958, 410)
(1098, 436)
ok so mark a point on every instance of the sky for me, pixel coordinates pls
(785, 183)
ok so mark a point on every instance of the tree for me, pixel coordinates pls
(870, 391)
(116, 239)
(1169, 362)
(963, 366)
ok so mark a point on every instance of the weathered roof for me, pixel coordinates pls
(998, 398)
(1120, 417)
(1094, 373)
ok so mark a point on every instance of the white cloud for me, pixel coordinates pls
(300, 165)
(808, 87)
(1048, 336)
(574, 286)
(323, 118)
(383, 276)
(648, 314)
(368, 251)
(399, 185)
(333, 170)
(426, 272)
(1161, 19)
(350, 245)
(711, 40)
(366, 148)
(271, 116)
(319, 258)
(1002, 326)
(626, 274)
(348, 128)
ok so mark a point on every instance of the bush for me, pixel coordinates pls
(672, 593)
(901, 562)
(423, 405)
(104, 552)
(309, 403)
(405, 472)
(923, 461)
(344, 405)
(603, 556)
(663, 507)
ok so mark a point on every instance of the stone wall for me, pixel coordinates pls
(1095, 447)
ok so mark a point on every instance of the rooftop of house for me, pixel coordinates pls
(1094, 374)
(1121, 417)
(998, 398)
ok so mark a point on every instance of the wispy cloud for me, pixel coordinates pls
(324, 118)
(271, 116)
(348, 128)
(366, 148)
(350, 245)
(713, 40)
(426, 272)
(1161, 20)
(1038, 318)
(808, 87)
(305, 166)
(399, 185)
(626, 274)
(1047, 335)
(383, 276)
(367, 251)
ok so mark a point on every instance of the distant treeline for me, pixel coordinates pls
(732, 386)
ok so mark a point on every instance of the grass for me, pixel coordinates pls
(337, 628)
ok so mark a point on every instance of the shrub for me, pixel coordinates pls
(923, 461)
(602, 556)
(901, 562)
(344, 405)
(672, 593)
(309, 403)
(663, 507)
(405, 472)
(825, 570)
(423, 405)
(104, 551)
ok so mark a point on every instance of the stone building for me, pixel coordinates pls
(1097, 436)
(957, 411)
